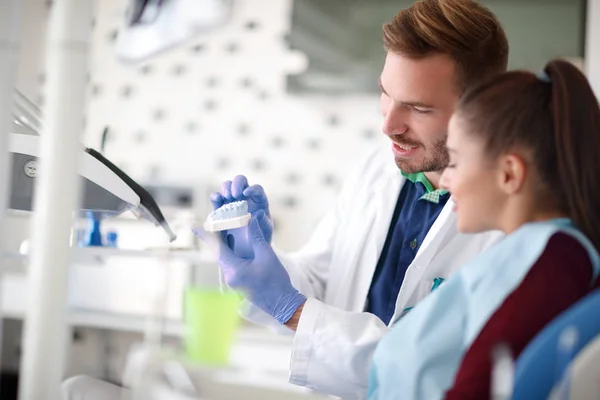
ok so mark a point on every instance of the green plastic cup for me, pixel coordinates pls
(211, 322)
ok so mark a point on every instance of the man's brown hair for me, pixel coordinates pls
(465, 30)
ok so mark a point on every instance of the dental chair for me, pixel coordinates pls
(582, 379)
(536, 367)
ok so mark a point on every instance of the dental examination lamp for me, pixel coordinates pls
(107, 190)
(154, 26)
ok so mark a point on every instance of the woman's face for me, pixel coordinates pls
(472, 180)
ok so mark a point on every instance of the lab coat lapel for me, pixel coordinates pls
(385, 196)
(444, 225)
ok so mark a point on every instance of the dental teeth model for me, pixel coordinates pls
(229, 216)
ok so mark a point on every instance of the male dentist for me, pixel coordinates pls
(391, 237)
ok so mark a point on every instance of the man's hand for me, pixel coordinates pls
(262, 278)
(238, 189)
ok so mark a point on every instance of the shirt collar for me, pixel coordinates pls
(431, 194)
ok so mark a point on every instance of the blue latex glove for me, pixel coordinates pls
(262, 278)
(238, 189)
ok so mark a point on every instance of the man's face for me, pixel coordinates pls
(418, 97)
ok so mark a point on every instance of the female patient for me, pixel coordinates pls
(524, 159)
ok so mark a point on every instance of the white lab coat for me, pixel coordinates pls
(335, 339)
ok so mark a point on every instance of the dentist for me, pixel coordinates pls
(391, 237)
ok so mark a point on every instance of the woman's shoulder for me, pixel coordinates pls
(566, 252)
(564, 245)
(556, 237)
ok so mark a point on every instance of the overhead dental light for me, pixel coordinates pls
(154, 26)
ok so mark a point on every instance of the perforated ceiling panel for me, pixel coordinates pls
(218, 107)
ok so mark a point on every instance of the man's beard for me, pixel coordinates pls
(436, 162)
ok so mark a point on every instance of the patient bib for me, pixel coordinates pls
(419, 358)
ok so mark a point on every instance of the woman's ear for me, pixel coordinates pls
(512, 171)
